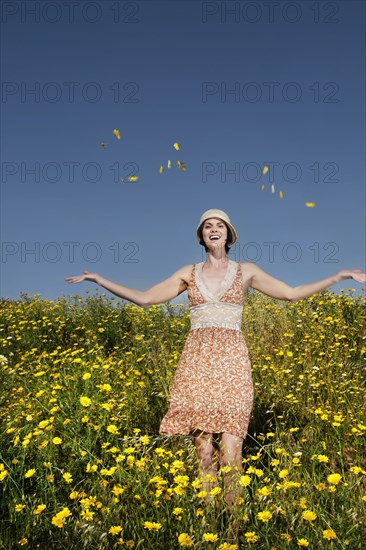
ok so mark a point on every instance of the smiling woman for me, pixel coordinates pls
(212, 390)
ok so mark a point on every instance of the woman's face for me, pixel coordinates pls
(214, 232)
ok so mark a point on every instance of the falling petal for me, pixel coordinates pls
(181, 165)
(281, 195)
(133, 178)
(265, 170)
(104, 145)
(161, 169)
(176, 146)
(310, 204)
(272, 188)
(262, 188)
(169, 163)
(116, 133)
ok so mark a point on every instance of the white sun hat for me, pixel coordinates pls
(215, 213)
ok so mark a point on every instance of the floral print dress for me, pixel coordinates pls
(212, 388)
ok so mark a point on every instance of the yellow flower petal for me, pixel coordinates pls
(262, 188)
(310, 204)
(176, 146)
(281, 195)
(265, 170)
(116, 133)
(161, 169)
(133, 178)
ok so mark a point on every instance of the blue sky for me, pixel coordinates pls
(239, 85)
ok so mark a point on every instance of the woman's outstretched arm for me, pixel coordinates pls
(275, 288)
(158, 294)
(304, 291)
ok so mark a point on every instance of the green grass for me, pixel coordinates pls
(308, 422)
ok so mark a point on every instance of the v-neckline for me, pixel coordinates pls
(221, 289)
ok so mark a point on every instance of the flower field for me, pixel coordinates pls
(85, 384)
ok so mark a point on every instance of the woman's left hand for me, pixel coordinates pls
(355, 274)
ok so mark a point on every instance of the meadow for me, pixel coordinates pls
(85, 384)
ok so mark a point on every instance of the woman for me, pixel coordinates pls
(212, 391)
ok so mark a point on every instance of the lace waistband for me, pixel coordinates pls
(216, 314)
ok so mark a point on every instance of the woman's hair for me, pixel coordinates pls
(228, 243)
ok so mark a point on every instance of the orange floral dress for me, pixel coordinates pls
(212, 388)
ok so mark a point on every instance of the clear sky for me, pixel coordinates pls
(239, 85)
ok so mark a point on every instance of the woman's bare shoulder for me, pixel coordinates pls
(248, 270)
(248, 266)
(185, 272)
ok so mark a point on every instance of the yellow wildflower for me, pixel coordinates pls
(308, 515)
(250, 536)
(39, 509)
(152, 526)
(264, 516)
(112, 429)
(185, 540)
(19, 507)
(264, 491)
(115, 529)
(59, 518)
(329, 534)
(334, 478)
(245, 480)
(210, 537)
(85, 401)
(3, 475)
(67, 477)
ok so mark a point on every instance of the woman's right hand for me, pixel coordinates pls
(86, 276)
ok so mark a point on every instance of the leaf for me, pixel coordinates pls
(181, 165)
(104, 145)
(262, 188)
